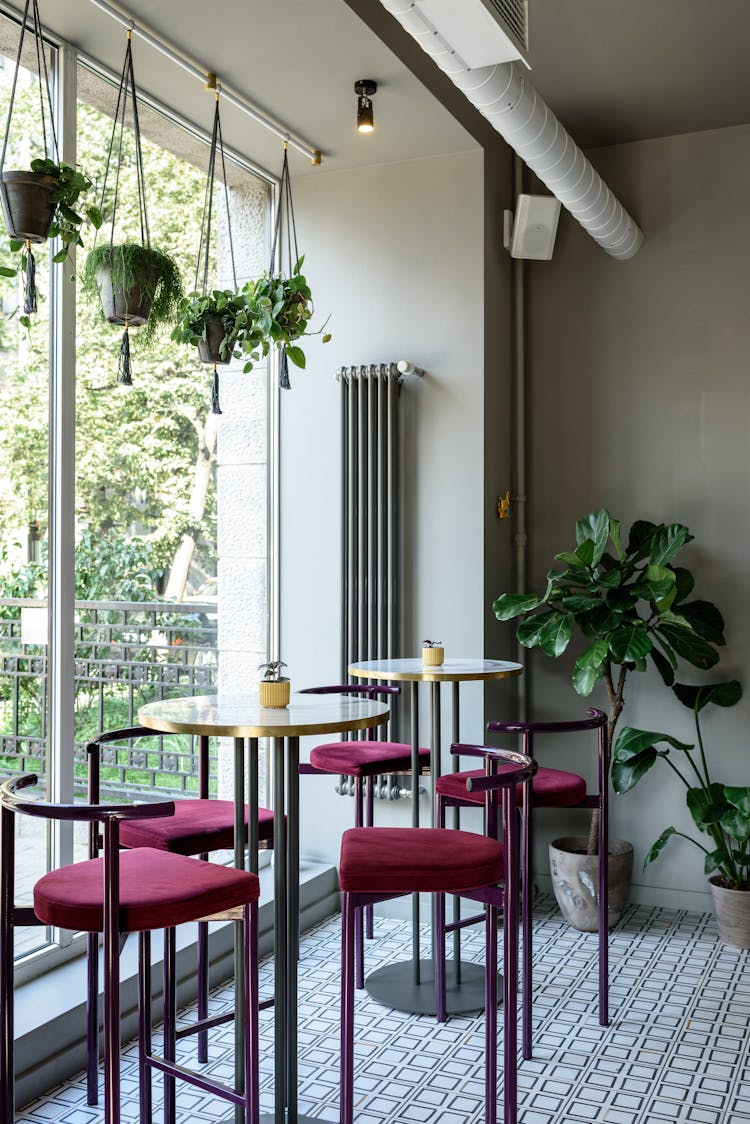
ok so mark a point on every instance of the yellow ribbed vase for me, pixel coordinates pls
(274, 693)
(433, 657)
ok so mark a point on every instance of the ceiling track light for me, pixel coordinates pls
(364, 88)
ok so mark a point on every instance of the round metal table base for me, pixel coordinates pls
(394, 987)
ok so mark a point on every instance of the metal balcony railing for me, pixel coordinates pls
(126, 654)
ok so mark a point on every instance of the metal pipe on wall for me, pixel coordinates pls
(520, 413)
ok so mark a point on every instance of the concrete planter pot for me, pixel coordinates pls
(732, 909)
(575, 880)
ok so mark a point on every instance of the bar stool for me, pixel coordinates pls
(199, 825)
(551, 788)
(380, 863)
(124, 892)
(362, 760)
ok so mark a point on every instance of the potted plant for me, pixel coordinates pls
(222, 324)
(721, 812)
(137, 285)
(629, 602)
(274, 690)
(39, 204)
(283, 308)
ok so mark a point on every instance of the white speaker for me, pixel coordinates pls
(531, 232)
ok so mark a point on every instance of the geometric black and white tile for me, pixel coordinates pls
(677, 1049)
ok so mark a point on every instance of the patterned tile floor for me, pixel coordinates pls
(677, 1049)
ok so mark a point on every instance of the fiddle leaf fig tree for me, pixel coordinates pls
(630, 603)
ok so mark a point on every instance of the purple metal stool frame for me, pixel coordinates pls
(494, 898)
(93, 752)
(595, 720)
(12, 915)
(363, 800)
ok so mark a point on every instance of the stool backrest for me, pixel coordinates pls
(370, 691)
(519, 769)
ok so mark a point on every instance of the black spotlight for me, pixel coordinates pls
(364, 89)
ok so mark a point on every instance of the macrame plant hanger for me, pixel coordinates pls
(285, 213)
(29, 281)
(126, 90)
(204, 245)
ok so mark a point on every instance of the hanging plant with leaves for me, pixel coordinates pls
(282, 301)
(45, 200)
(221, 323)
(137, 285)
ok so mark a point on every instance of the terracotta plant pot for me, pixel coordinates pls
(575, 880)
(732, 909)
(274, 693)
(208, 349)
(120, 306)
(27, 205)
(433, 657)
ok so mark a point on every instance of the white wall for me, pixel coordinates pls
(640, 402)
(396, 254)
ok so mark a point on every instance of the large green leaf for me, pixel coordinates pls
(626, 774)
(727, 693)
(707, 806)
(689, 646)
(716, 860)
(573, 560)
(630, 643)
(614, 531)
(529, 631)
(577, 603)
(705, 619)
(594, 655)
(555, 635)
(639, 539)
(667, 542)
(656, 848)
(595, 528)
(684, 582)
(585, 679)
(660, 581)
(739, 798)
(736, 825)
(585, 551)
(510, 605)
(663, 666)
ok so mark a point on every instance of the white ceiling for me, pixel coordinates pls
(297, 60)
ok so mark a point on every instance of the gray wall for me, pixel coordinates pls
(640, 402)
(397, 254)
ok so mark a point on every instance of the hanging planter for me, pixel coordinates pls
(43, 201)
(221, 323)
(137, 285)
(283, 303)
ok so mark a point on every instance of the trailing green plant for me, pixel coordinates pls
(283, 307)
(242, 332)
(67, 220)
(629, 602)
(722, 812)
(149, 273)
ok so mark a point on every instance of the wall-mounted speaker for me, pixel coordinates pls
(530, 233)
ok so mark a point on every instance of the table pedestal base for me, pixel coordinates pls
(394, 987)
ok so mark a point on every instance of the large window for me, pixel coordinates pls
(141, 596)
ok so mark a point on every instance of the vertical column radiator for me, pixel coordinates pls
(370, 546)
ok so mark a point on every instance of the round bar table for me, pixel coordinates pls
(410, 985)
(240, 717)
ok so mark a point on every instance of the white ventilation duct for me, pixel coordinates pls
(510, 103)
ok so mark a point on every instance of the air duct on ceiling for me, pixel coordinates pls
(503, 95)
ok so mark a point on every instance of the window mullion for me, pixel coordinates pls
(60, 746)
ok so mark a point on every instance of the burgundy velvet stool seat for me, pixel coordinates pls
(379, 863)
(550, 788)
(199, 826)
(362, 760)
(128, 891)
